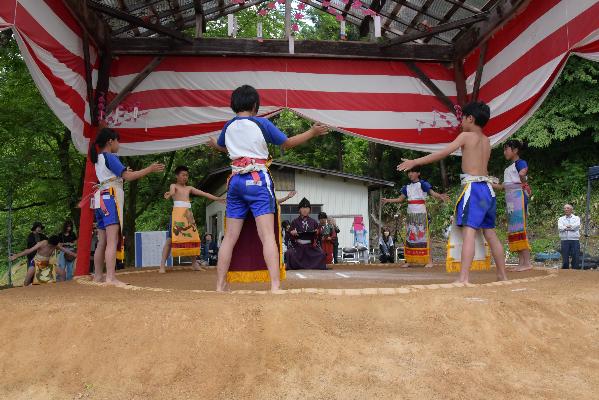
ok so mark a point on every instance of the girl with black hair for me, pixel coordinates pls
(517, 193)
(108, 201)
(68, 239)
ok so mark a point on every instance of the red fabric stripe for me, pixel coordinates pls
(63, 91)
(127, 65)
(535, 10)
(29, 26)
(188, 245)
(416, 202)
(415, 252)
(7, 10)
(516, 237)
(398, 102)
(65, 15)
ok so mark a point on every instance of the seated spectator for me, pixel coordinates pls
(304, 252)
(209, 251)
(68, 239)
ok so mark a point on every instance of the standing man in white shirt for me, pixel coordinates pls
(569, 233)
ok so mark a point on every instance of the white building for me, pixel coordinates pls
(342, 196)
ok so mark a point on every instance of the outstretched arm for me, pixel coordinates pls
(130, 175)
(440, 196)
(198, 192)
(171, 191)
(27, 251)
(400, 199)
(433, 157)
(212, 143)
(316, 130)
(289, 195)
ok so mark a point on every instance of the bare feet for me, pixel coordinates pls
(162, 270)
(198, 268)
(404, 265)
(501, 277)
(98, 278)
(115, 282)
(523, 268)
(429, 265)
(460, 281)
(224, 288)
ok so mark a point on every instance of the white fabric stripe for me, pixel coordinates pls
(46, 17)
(558, 16)
(62, 110)
(165, 117)
(377, 119)
(270, 186)
(527, 88)
(281, 80)
(71, 78)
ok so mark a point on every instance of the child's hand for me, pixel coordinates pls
(292, 193)
(293, 232)
(319, 129)
(167, 195)
(156, 167)
(385, 201)
(444, 197)
(212, 142)
(13, 257)
(406, 165)
(222, 200)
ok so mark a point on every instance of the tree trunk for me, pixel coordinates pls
(64, 141)
(375, 155)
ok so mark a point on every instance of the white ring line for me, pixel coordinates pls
(300, 275)
(342, 275)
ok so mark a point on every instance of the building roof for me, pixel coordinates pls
(372, 182)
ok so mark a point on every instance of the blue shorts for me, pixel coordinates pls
(477, 207)
(243, 195)
(102, 220)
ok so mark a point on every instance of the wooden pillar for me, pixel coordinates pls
(460, 82)
(199, 25)
(287, 18)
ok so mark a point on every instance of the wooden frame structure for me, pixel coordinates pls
(442, 31)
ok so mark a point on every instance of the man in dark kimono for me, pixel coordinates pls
(304, 252)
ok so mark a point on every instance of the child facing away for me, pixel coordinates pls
(250, 187)
(417, 247)
(40, 264)
(108, 201)
(476, 207)
(183, 238)
(517, 194)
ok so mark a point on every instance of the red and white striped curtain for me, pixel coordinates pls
(186, 99)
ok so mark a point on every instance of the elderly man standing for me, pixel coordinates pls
(569, 233)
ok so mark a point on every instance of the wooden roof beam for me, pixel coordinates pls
(448, 16)
(91, 23)
(481, 31)
(448, 26)
(280, 48)
(431, 85)
(113, 12)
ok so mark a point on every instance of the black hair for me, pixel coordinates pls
(479, 110)
(245, 98)
(208, 234)
(322, 215)
(67, 223)
(285, 224)
(53, 240)
(516, 144)
(36, 225)
(181, 168)
(103, 136)
(415, 169)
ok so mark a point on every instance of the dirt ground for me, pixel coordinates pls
(533, 340)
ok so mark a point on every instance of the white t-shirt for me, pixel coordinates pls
(248, 136)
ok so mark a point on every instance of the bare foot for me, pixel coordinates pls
(115, 282)
(162, 270)
(429, 265)
(98, 278)
(198, 268)
(225, 288)
(460, 281)
(501, 277)
(404, 265)
(523, 268)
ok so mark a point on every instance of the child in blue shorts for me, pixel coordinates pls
(251, 188)
(109, 199)
(477, 205)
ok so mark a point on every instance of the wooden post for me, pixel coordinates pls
(287, 18)
(199, 25)
(460, 82)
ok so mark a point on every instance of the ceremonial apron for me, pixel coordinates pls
(185, 238)
(112, 187)
(417, 241)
